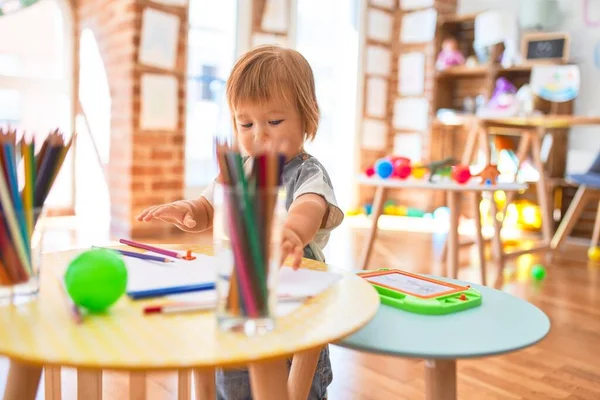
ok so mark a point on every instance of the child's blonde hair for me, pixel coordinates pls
(275, 73)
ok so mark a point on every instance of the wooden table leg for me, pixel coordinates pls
(596, 233)
(89, 384)
(497, 242)
(137, 386)
(302, 373)
(454, 206)
(484, 142)
(52, 383)
(440, 379)
(268, 380)
(23, 381)
(542, 191)
(375, 214)
(570, 218)
(204, 384)
(184, 384)
(479, 236)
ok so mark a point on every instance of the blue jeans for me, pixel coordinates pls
(234, 384)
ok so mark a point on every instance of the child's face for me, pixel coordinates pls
(269, 125)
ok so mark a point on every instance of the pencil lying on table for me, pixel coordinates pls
(193, 306)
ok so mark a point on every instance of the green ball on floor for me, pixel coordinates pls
(538, 272)
(96, 279)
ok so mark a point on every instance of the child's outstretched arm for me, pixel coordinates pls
(304, 219)
(187, 215)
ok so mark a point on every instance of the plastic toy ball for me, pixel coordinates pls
(594, 254)
(415, 212)
(401, 211)
(370, 172)
(368, 209)
(418, 171)
(353, 212)
(461, 174)
(96, 279)
(538, 272)
(384, 168)
(402, 171)
(389, 210)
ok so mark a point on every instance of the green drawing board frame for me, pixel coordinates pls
(421, 294)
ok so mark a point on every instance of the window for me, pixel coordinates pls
(211, 54)
(35, 85)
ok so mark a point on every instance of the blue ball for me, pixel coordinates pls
(442, 213)
(384, 168)
(368, 209)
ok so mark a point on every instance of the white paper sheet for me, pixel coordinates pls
(303, 282)
(411, 114)
(379, 60)
(159, 102)
(374, 134)
(145, 275)
(389, 4)
(379, 26)
(376, 97)
(408, 145)
(415, 4)
(275, 17)
(411, 74)
(418, 26)
(259, 39)
(159, 39)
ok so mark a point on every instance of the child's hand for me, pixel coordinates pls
(180, 213)
(291, 245)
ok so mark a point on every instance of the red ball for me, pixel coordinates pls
(370, 172)
(400, 160)
(461, 174)
(402, 171)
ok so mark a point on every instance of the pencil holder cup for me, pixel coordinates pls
(21, 236)
(247, 238)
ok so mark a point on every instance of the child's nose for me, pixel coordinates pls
(262, 135)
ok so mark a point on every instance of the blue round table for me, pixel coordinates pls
(501, 324)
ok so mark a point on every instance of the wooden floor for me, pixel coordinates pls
(566, 365)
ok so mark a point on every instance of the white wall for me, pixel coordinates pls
(585, 51)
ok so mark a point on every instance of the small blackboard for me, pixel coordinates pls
(545, 48)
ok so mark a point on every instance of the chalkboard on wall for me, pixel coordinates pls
(545, 48)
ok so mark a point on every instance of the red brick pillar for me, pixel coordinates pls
(146, 166)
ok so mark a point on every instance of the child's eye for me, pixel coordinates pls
(277, 122)
(248, 125)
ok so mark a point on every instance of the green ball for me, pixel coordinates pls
(538, 272)
(96, 279)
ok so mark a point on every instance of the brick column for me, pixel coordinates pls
(146, 167)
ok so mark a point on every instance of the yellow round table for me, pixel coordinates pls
(43, 334)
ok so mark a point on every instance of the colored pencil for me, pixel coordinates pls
(164, 252)
(75, 312)
(168, 291)
(141, 256)
(249, 205)
(192, 306)
(18, 215)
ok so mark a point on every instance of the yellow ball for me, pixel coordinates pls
(353, 212)
(401, 211)
(389, 209)
(418, 171)
(594, 253)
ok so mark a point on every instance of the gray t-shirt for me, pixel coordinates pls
(304, 174)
